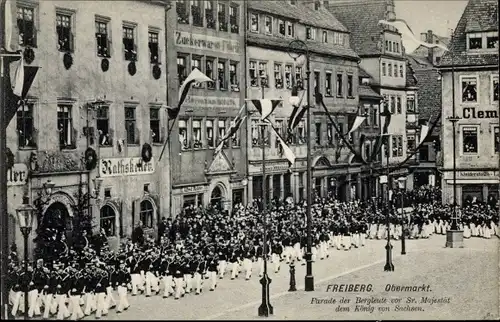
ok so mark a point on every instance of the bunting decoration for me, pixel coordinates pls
(11, 36)
(424, 131)
(17, 81)
(287, 152)
(298, 109)
(266, 106)
(407, 35)
(357, 123)
(234, 127)
(386, 114)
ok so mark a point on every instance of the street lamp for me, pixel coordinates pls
(402, 187)
(97, 188)
(297, 48)
(265, 308)
(389, 266)
(25, 220)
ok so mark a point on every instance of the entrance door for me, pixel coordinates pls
(57, 218)
(276, 186)
(237, 196)
(216, 198)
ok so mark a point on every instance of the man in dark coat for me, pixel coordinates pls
(138, 234)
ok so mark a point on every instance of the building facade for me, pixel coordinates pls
(382, 56)
(470, 71)
(86, 120)
(208, 35)
(271, 73)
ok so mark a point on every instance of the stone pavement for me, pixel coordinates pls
(469, 274)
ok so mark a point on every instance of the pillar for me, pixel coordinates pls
(348, 188)
(358, 188)
(282, 186)
(270, 190)
(249, 190)
(295, 186)
(485, 192)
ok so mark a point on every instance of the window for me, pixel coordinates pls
(410, 103)
(301, 132)
(389, 70)
(318, 133)
(252, 71)
(390, 46)
(469, 140)
(209, 71)
(129, 43)
(475, 41)
(368, 113)
(196, 13)
(387, 45)
(281, 27)
(469, 89)
(154, 124)
(400, 146)
(496, 139)
(492, 40)
(209, 14)
(194, 200)
(130, 125)
(102, 38)
(26, 26)
(383, 70)
(325, 36)
(290, 29)
(288, 76)
(401, 70)
(209, 125)
(221, 14)
(233, 19)
(410, 147)
(329, 134)
(102, 120)
(255, 133)
(317, 5)
(183, 134)
(154, 48)
(338, 38)
(494, 88)
(107, 220)
(268, 24)
(235, 139)
(398, 105)
(340, 86)
(146, 213)
(328, 84)
(182, 13)
(254, 22)
(221, 74)
(197, 134)
(392, 101)
(233, 75)
(349, 86)
(394, 146)
(310, 33)
(293, 2)
(375, 116)
(278, 76)
(397, 47)
(64, 32)
(181, 69)
(25, 126)
(298, 77)
(65, 126)
(263, 73)
(221, 128)
(317, 85)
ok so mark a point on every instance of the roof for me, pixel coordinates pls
(478, 15)
(365, 91)
(363, 73)
(321, 18)
(411, 80)
(423, 51)
(419, 62)
(361, 19)
(315, 47)
(429, 92)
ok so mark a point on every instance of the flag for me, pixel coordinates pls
(298, 109)
(424, 131)
(194, 77)
(17, 77)
(357, 123)
(384, 132)
(266, 106)
(287, 152)
(11, 30)
(233, 128)
(407, 35)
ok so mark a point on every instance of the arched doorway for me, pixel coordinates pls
(108, 220)
(57, 218)
(216, 198)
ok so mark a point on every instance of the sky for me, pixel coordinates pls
(437, 15)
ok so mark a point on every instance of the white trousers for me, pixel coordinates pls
(16, 302)
(47, 304)
(76, 310)
(197, 282)
(90, 303)
(168, 283)
(212, 276)
(275, 258)
(247, 266)
(151, 283)
(179, 284)
(101, 305)
(234, 269)
(122, 299)
(188, 278)
(33, 304)
(136, 282)
(110, 300)
(287, 254)
(62, 309)
(222, 268)
(346, 241)
(297, 252)
(338, 242)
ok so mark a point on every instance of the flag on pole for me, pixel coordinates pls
(298, 109)
(233, 128)
(266, 106)
(407, 35)
(287, 152)
(17, 77)
(194, 77)
(11, 30)
(424, 131)
(357, 123)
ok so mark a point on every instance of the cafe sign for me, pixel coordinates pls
(199, 41)
(17, 175)
(116, 167)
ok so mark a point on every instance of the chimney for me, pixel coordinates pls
(430, 37)
(430, 51)
(423, 36)
(390, 10)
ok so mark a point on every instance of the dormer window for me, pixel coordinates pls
(492, 40)
(475, 41)
(365, 81)
(317, 5)
(484, 40)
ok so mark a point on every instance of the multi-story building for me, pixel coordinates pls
(208, 35)
(101, 88)
(383, 57)
(433, 54)
(271, 73)
(470, 71)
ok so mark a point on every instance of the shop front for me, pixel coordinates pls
(471, 186)
(279, 184)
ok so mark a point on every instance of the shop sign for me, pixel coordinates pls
(477, 174)
(212, 101)
(17, 175)
(275, 167)
(199, 41)
(472, 113)
(193, 189)
(114, 167)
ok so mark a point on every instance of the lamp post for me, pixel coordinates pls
(265, 308)
(402, 187)
(389, 266)
(25, 220)
(297, 48)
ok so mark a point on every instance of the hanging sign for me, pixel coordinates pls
(17, 175)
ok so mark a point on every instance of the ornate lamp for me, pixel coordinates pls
(25, 216)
